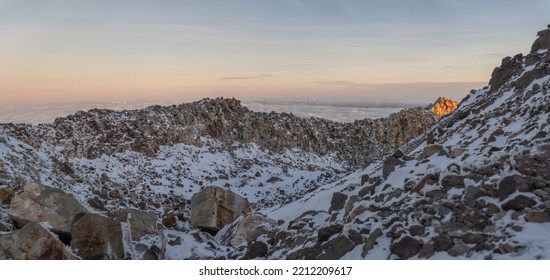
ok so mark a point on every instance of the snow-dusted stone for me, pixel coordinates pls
(96, 237)
(452, 181)
(141, 223)
(406, 247)
(538, 217)
(39, 203)
(389, 166)
(519, 202)
(430, 150)
(325, 233)
(335, 248)
(257, 249)
(511, 184)
(214, 207)
(371, 241)
(245, 230)
(33, 242)
(338, 201)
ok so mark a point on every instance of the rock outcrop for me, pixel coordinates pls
(443, 107)
(33, 242)
(106, 132)
(95, 237)
(42, 204)
(214, 207)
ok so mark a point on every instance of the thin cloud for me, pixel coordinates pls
(247, 77)
(344, 83)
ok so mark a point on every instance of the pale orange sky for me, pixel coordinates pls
(54, 51)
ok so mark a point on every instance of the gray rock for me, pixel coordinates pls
(430, 150)
(473, 238)
(473, 192)
(511, 184)
(245, 230)
(371, 241)
(406, 247)
(537, 217)
(257, 249)
(336, 248)
(97, 237)
(519, 202)
(350, 203)
(389, 166)
(452, 181)
(39, 203)
(416, 230)
(141, 223)
(214, 207)
(364, 179)
(338, 201)
(33, 242)
(326, 233)
(443, 243)
(398, 153)
(458, 249)
(6, 195)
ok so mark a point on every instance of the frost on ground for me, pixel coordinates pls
(474, 185)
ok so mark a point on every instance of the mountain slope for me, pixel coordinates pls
(476, 185)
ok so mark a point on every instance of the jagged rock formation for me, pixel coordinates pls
(443, 107)
(105, 132)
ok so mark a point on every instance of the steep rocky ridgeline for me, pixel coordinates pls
(104, 132)
(476, 185)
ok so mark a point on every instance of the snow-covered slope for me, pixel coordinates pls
(476, 185)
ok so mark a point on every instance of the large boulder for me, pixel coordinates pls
(214, 207)
(33, 242)
(96, 237)
(140, 223)
(39, 203)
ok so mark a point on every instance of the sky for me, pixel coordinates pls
(89, 50)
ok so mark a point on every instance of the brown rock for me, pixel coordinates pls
(371, 241)
(406, 247)
(443, 106)
(519, 202)
(215, 207)
(39, 203)
(33, 242)
(537, 217)
(245, 230)
(389, 166)
(97, 238)
(141, 223)
(6, 195)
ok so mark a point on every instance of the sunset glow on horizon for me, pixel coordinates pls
(59, 50)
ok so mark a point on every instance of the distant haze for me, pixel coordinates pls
(76, 51)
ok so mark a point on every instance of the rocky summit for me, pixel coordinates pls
(443, 106)
(214, 180)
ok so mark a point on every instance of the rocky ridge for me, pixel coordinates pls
(474, 185)
(105, 132)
